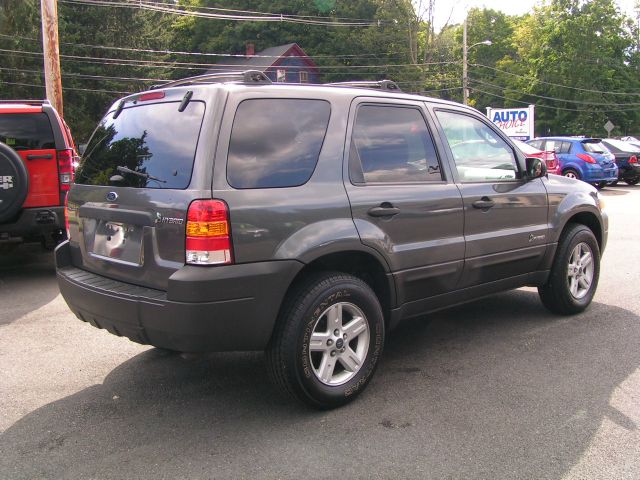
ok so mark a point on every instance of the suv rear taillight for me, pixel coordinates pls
(633, 159)
(66, 214)
(65, 169)
(586, 158)
(208, 241)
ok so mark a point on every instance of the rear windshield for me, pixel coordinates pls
(594, 147)
(620, 146)
(26, 131)
(147, 146)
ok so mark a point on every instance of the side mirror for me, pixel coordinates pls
(536, 168)
(82, 148)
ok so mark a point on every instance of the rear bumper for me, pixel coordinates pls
(596, 173)
(204, 309)
(629, 171)
(33, 222)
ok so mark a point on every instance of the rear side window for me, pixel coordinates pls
(150, 146)
(390, 145)
(558, 146)
(276, 142)
(27, 131)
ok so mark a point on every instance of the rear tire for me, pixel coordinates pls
(574, 274)
(571, 173)
(327, 341)
(632, 181)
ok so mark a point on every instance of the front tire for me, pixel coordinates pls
(327, 341)
(574, 274)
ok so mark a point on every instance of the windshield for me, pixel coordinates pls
(154, 145)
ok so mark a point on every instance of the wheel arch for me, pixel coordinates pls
(359, 262)
(571, 166)
(589, 220)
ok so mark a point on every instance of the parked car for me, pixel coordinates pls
(632, 140)
(626, 158)
(308, 221)
(549, 157)
(36, 170)
(586, 159)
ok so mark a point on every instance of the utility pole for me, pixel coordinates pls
(51, 50)
(465, 51)
(465, 77)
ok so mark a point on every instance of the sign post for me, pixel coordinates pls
(609, 126)
(516, 123)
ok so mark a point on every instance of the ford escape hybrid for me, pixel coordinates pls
(225, 213)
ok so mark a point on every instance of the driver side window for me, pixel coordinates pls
(479, 153)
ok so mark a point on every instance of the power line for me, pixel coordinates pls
(549, 107)
(3, 82)
(176, 10)
(577, 102)
(218, 9)
(86, 76)
(212, 65)
(530, 78)
(171, 52)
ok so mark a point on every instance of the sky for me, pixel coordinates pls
(457, 8)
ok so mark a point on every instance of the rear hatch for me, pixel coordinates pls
(127, 210)
(598, 151)
(30, 134)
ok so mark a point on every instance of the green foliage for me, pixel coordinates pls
(573, 59)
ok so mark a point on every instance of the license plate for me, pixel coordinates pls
(119, 242)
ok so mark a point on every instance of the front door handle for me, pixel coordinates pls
(384, 210)
(485, 203)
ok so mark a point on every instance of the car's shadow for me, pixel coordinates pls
(495, 389)
(27, 281)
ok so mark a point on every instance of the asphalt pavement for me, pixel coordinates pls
(496, 389)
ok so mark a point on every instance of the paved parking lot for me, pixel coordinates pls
(495, 389)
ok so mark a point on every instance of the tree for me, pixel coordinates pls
(573, 61)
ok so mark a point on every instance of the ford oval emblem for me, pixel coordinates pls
(112, 196)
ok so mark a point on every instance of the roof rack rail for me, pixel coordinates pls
(28, 102)
(379, 84)
(246, 76)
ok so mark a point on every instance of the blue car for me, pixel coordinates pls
(586, 159)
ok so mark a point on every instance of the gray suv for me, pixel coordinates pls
(223, 213)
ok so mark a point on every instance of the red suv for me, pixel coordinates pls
(37, 156)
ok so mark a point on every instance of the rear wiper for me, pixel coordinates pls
(140, 174)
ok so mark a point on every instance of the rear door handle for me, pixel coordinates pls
(44, 156)
(484, 203)
(384, 210)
